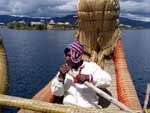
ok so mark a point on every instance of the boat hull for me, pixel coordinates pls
(125, 87)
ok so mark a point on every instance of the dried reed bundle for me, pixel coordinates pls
(3, 69)
(98, 26)
(98, 15)
(97, 5)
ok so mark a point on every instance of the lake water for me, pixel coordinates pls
(34, 58)
(137, 51)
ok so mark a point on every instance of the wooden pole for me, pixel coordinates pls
(146, 97)
(103, 94)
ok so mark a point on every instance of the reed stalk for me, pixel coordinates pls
(45, 107)
(98, 25)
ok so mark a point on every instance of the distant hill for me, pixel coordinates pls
(68, 18)
(8, 18)
(135, 23)
(71, 19)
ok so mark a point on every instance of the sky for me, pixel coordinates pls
(132, 9)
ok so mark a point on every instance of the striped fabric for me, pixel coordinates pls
(77, 46)
(75, 51)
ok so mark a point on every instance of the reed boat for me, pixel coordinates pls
(3, 69)
(98, 30)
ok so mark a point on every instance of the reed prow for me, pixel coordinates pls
(3, 70)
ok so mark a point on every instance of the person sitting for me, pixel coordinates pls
(73, 89)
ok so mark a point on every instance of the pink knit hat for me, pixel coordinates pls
(75, 49)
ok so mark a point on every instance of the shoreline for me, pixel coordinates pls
(61, 29)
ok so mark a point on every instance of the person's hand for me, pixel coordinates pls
(63, 70)
(81, 78)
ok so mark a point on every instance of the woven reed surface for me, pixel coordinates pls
(43, 95)
(98, 25)
(3, 71)
(97, 5)
(125, 87)
(97, 15)
(110, 68)
(46, 107)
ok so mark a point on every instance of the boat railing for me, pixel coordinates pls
(146, 97)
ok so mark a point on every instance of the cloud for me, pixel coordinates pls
(132, 9)
(38, 7)
(136, 17)
(135, 9)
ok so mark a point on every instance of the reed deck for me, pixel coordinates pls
(110, 68)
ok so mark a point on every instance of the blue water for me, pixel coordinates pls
(137, 49)
(34, 58)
